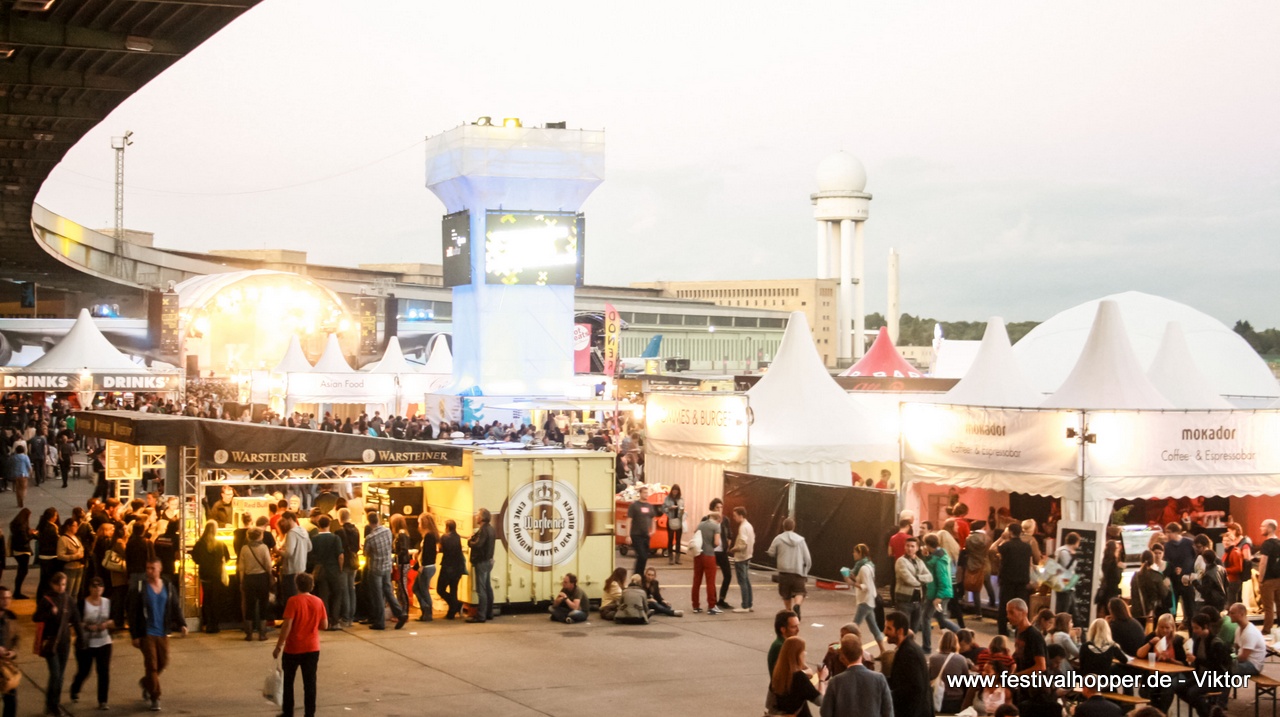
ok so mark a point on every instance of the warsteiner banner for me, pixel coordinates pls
(235, 445)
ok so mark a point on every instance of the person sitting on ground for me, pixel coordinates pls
(1100, 650)
(571, 604)
(654, 592)
(948, 664)
(633, 607)
(792, 687)
(612, 593)
(832, 659)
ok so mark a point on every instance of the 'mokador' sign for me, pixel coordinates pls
(1184, 443)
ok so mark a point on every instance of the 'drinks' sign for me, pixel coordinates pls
(94, 382)
(542, 523)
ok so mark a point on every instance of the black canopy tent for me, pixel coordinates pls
(203, 452)
(234, 445)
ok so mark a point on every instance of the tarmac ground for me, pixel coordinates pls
(518, 665)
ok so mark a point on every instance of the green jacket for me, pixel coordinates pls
(939, 564)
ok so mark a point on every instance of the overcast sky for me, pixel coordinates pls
(1023, 157)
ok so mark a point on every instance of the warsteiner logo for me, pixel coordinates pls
(542, 523)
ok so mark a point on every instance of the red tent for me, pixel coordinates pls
(883, 360)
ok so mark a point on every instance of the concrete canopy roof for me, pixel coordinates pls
(71, 65)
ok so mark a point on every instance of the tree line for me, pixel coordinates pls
(1265, 342)
(918, 331)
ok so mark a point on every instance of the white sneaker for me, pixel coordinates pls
(741, 609)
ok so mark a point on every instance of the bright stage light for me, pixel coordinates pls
(511, 122)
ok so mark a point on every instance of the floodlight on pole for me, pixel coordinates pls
(119, 144)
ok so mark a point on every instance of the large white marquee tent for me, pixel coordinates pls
(1106, 433)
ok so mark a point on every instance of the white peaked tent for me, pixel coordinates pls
(995, 378)
(440, 361)
(84, 347)
(294, 361)
(392, 360)
(1233, 368)
(332, 360)
(1107, 374)
(806, 427)
(1175, 374)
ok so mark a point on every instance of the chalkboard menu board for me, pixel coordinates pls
(1088, 565)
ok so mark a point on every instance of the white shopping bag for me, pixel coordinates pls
(273, 686)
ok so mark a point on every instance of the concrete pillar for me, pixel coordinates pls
(833, 250)
(893, 310)
(844, 295)
(824, 250)
(859, 292)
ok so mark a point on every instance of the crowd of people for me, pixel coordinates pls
(935, 570)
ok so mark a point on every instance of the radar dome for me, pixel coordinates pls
(841, 172)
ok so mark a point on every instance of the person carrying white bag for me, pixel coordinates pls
(304, 618)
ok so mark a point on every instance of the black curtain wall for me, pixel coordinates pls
(832, 519)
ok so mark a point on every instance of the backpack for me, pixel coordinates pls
(695, 544)
(350, 544)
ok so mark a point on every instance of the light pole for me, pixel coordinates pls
(119, 144)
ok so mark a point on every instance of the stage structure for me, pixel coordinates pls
(513, 244)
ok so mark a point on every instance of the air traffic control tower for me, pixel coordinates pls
(513, 248)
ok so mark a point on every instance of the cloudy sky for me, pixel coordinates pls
(1022, 157)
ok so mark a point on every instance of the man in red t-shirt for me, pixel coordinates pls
(304, 618)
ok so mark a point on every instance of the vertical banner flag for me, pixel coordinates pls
(582, 348)
(612, 330)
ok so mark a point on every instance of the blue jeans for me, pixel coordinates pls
(559, 614)
(868, 613)
(944, 623)
(422, 590)
(349, 607)
(483, 586)
(381, 594)
(1247, 668)
(742, 570)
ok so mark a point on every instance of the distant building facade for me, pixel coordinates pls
(816, 298)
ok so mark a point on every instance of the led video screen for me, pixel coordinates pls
(455, 240)
(533, 248)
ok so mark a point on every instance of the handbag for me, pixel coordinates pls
(940, 684)
(113, 562)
